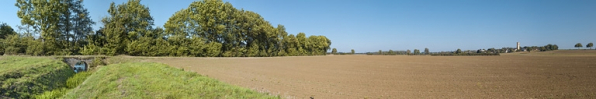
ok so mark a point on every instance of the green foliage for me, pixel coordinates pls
(416, 52)
(232, 33)
(34, 47)
(154, 80)
(578, 45)
(352, 52)
(426, 51)
(334, 51)
(97, 61)
(590, 45)
(458, 51)
(54, 94)
(6, 30)
(71, 83)
(77, 79)
(207, 28)
(13, 45)
(393, 53)
(23, 77)
(63, 24)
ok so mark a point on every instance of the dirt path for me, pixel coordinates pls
(341, 77)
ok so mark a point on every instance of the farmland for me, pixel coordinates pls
(529, 75)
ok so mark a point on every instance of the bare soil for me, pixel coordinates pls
(361, 76)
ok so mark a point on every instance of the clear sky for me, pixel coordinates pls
(372, 25)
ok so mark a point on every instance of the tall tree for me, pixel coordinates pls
(44, 16)
(353, 51)
(63, 24)
(578, 45)
(239, 32)
(127, 23)
(426, 51)
(590, 45)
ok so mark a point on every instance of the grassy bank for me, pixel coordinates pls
(23, 77)
(154, 80)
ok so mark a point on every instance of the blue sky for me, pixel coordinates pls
(372, 25)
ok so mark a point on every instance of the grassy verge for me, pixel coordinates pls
(23, 77)
(71, 83)
(154, 80)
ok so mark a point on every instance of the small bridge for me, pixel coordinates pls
(80, 63)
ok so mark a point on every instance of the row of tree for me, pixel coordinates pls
(334, 52)
(407, 52)
(589, 45)
(207, 28)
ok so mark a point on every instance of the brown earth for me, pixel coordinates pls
(361, 76)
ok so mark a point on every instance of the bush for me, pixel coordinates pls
(97, 61)
(54, 94)
(77, 79)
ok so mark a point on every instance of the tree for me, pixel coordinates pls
(44, 16)
(458, 51)
(408, 52)
(334, 51)
(426, 51)
(127, 23)
(380, 52)
(578, 45)
(63, 24)
(391, 52)
(6, 30)
(353, 51)
(416, 52)
(240, 32)
(590, 45)
(549, 47)
(555, 47)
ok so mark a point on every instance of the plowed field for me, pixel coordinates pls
(361, 76)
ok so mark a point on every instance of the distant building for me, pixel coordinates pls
(517, 45)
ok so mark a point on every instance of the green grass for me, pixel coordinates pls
(24, 77)
(71, 83)
(143, 80)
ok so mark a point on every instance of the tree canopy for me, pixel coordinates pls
(578, 45)
(207, 28)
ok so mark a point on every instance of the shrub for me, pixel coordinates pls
(54, 94)
(97, 61)
(77, 79)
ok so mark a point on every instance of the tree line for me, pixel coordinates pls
(207, 28)
(406, 52)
